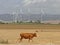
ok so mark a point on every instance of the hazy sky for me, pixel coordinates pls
(30, 6)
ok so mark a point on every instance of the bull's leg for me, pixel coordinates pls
(21, 39)
(30, 39)
(18, 40)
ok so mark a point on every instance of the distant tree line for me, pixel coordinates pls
(2, 22)
(29, 21)
(22, 22)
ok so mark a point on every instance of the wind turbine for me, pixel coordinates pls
(13, 16)
(42, 13)
(16, 14)
(16, 17)
(21, 11)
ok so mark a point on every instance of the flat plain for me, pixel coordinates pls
(29, 26)
(46, 33)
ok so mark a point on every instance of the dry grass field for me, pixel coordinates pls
(29, 26)
(46, 33)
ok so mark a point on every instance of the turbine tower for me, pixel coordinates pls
(21, 17)
(42, 13)
(14, 16)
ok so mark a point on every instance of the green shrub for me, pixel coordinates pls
(4, 42)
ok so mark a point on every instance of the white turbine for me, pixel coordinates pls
(14, 18)
(21, 11)
(42, 13)
(17, 10)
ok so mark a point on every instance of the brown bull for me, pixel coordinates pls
(27, 36)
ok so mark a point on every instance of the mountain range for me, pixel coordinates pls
(29, 17)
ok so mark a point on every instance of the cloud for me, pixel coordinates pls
(28, 2)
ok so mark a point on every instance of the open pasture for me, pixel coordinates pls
(46, 33)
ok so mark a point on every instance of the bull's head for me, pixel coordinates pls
(35, 35)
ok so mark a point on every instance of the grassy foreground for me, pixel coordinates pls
(9, 33)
